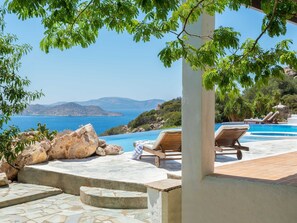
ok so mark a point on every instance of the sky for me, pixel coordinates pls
(114, 66)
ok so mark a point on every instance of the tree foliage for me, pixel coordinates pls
(14, 96)
(77, 22)
(13, 142)
(258, 100)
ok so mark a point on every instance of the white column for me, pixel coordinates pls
(197, 126)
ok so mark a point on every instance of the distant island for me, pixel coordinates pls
(118, 103)
(108, 106)
(67, 109)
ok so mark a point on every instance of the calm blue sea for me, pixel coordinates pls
(126, 140)
(61, 123)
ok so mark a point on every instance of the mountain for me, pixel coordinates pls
(117, 103)
(67, 109)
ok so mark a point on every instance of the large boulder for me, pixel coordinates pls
(78, 144)
(3, 179)
(35, 153)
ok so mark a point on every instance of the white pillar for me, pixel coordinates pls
(197, 126)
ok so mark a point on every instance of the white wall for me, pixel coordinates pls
(238, 201)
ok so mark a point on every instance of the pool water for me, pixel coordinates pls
(257, 133)
(273, 134)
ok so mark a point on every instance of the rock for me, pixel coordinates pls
(10, 172)
(46, 145)
(78, 144)
(3, 179)
(113, 150)
(100, 151)
(35, 153)
(102, 143)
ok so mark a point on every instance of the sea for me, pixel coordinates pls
(61, 123)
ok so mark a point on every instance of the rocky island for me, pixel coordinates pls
(67, 109)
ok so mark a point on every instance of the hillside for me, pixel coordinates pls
(67, 109)
(117, 103)
(167, 115)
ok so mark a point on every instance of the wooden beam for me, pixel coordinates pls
(257, 5)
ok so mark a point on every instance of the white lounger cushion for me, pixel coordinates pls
(160, 138)
(225, 127)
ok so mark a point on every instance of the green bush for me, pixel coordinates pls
(172, 119)
(113, 131)
(144, 118)
(291, 102)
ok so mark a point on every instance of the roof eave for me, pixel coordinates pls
(257, 5)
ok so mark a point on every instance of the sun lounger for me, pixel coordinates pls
(259, 121)
(167, 146)
(226, 140)
(273, 118)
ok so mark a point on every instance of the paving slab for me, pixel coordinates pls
(113, 167)
(68, 208)
(17, 193)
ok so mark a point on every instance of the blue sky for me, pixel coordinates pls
(115, 65)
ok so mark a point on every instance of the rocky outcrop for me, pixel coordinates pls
(9, 170)
(78, 144)
(81, 143)
(35, 153)
(3, 179)
(104, 149)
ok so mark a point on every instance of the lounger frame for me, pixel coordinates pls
(167, 147)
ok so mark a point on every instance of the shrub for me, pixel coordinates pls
(172, 119)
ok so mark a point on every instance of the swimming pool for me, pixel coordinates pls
(256, 132)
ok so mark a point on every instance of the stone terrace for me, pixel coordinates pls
(114, 171)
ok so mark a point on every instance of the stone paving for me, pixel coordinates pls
(17, 193)
(116, 168)
(68, 208)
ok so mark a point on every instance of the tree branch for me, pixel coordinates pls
(80, 13)
(188, 17)
(261, 34)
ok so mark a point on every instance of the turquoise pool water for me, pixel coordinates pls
(126, 140)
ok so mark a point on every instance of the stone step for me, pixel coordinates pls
(114, 199)
(70, 183)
